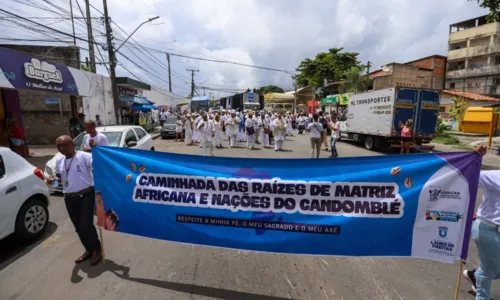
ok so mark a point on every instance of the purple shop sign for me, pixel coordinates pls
(21, 71)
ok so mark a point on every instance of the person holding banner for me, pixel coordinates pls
(486, 234)
(75, 169)
(207, 132)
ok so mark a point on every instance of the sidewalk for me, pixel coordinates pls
(491, 161)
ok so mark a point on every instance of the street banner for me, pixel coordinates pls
(417, 205)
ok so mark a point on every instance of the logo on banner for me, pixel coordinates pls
(437, 193)
(42, 70)
(446, 216)
(443, 231)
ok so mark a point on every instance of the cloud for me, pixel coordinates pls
(277, 34)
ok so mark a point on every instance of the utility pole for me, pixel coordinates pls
(112, 61)
(72, 21)
(90, 37)
(169, 74)
(368, 65)
(295, 97)
(192, 79)
(203, 90)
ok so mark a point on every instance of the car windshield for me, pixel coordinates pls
(171, 121)
(114, 139)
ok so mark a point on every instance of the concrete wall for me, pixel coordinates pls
(481, 85)
(404, 75)
(159, 96)
(475, 32)
(101, 101)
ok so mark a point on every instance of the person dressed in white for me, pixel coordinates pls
(289, 128)
(256, 128)
(335, 127)
(207, 133)
(315, 128)
(242, 136)
(232, 124)
(178, 129)
(222, 121)
(218, 131)
(93, 137)
(302, 123)
(197, 138)
(250, 131)
(264, 131)
(188, 130)
(279, 132)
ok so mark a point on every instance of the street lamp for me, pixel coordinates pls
(149, 20)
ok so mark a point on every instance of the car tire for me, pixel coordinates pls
(32, 219)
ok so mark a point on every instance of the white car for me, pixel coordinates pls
(24, 197)
(118, 136)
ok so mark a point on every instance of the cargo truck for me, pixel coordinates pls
(373, 118)
(244, 101)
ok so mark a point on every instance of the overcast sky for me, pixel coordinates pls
(270, 33)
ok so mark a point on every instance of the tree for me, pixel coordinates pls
(458, 110)
(330, 66)
(354, 81)
(493, 6)
(270, 89)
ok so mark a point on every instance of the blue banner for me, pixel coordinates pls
(403, 205)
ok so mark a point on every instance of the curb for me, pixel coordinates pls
(155, 136)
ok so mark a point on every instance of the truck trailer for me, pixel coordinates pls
(244, 101)
(373, 118)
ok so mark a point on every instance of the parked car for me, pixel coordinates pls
(168, 129)
(118, 136)
(24, 197)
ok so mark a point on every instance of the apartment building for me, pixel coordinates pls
(474, 57)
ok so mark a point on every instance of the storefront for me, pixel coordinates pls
(313, 106)
(39, 95)
(335, 104)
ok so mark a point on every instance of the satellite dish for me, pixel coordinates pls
(386, 68)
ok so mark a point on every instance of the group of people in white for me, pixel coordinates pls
(264, 128)
(208, 128)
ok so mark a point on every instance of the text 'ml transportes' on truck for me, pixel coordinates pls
(373, 118)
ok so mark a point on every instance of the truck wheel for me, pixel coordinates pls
(369, 143)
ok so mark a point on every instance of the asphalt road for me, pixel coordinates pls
(138, 268)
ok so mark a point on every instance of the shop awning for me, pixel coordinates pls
(22, 71)
(128, 100)
(143, 107)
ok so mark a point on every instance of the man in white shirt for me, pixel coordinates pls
(315, 129)
(302, 123)
(93, 137)
(279, 132)
(486, 234)
(163, 117)
(264, 130)
(250, 131)
(335, 136)
(75, 169)
(232, 124)
(207, 133)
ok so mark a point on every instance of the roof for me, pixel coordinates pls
(132, 83)
(201, 98)
(430, 56)
(473, 20)
(471, 96)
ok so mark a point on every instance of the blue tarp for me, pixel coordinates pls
(127, 100)
(202, 98)
(143, 107)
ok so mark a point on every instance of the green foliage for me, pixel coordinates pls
(270, 89)
(441, 127)
(331, 65)
(354, 81)
(446, 139)
(459, 109)
(85, 68)
(493, 6)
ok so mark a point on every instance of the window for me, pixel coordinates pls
(140, 133)
(130, 137)
(2, 168)
(452, 85)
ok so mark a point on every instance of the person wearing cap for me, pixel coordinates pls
(207, 133)
(279, 132)
(232, 128)
(250, 131)
(264, 130)
(188, 130)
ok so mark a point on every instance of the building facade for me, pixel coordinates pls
(395, 74)
(474, 57)
(436, 63)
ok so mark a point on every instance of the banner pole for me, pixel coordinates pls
(457, 286)
(102, 246)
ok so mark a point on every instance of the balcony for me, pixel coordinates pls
(471, 73)
(473, 51)
(483, 30)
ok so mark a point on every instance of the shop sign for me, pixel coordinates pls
(52, 101)
(329, 100)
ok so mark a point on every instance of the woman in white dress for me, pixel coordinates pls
(188, 130)
(218, 132)
(242, 137)
(279, 133)
(289, 128)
